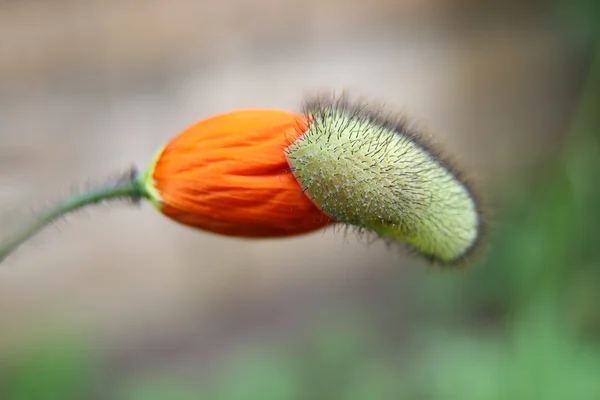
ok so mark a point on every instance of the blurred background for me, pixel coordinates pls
(120, 303)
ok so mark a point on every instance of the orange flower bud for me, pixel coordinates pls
(229, 175)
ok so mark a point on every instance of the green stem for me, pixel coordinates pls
(128, 187)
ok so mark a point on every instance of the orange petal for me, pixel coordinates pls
(229, 175)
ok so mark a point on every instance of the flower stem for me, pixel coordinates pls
(128, 186)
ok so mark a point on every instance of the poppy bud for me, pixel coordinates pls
(229, 175)
(267, 173)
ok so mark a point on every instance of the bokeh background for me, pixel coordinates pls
(119, 303)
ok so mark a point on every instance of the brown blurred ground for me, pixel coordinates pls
(86, 88)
